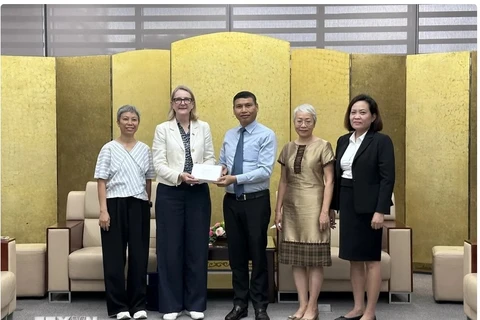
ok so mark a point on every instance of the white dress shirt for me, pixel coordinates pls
(349, 155)
(259, 150)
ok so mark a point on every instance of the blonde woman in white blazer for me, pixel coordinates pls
(182, 207)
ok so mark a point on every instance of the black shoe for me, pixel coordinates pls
(261, 314)
(345, 318)
(237, 313)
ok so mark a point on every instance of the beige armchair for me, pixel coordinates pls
(74, 252)
(397, 273)
(470, 280)
(8, 280)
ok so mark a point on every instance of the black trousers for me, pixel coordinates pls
(129, 224)
(246, 225)
(183, 223)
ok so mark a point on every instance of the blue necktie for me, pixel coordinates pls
(238, 164)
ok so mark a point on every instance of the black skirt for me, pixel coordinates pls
(358, 241)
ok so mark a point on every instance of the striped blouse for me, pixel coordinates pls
(125, 171)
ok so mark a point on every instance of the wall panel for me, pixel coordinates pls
(437, 151)
(216, 67)
(29, 149)
(321, 78)
(83, 120)
(473, 149)
(383, 77)
(142, 78)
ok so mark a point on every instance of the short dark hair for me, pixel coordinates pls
(127, 108)
(245, 95)
(377, 124)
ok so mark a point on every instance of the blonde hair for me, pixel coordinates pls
(193, 112)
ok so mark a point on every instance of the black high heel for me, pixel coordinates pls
(354, 318)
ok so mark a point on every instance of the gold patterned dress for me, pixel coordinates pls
(302, 243)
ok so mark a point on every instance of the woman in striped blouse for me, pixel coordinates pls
(124, 172)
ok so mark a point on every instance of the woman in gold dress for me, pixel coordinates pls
(302, 212)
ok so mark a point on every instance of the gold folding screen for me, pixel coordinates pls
(383, 77)
(58, 127)
(437, 151)
(216, 67)
(83, 120)
(142, 78)
(29, 147)
(321, 78)
(472, 210)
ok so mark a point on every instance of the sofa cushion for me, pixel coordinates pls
(91, 233)
(31, 269)
(447, 273)
(470, 290)
(87, 263)
(8, 282)
(334, 235)
(340, 269)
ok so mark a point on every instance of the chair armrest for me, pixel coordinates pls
(469, 257)
(9, 254)
(397, 241)
(62, 239)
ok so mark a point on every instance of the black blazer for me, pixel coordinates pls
(373, 172)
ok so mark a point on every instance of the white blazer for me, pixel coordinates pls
(169, 152)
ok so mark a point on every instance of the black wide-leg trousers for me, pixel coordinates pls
(129, 224)
(183, 224)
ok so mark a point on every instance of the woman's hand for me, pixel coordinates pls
(104, 220)
(224, 170)
(377, 221)
(333, 221)
(278, 219)
(324, 220)
(188, 178)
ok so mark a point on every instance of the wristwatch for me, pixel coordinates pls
(150, 203)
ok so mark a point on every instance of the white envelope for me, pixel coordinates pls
(206, 172)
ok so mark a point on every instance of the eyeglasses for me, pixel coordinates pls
(180, 100)
(308, 123)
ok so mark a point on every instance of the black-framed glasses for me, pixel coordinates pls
(184, 100)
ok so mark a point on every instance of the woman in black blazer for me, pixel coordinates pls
(364, 180)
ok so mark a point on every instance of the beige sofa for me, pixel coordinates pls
(74, 253)
(8, 278)
(397, 276)
(470, 280)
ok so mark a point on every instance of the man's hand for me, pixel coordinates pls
(226, 180)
